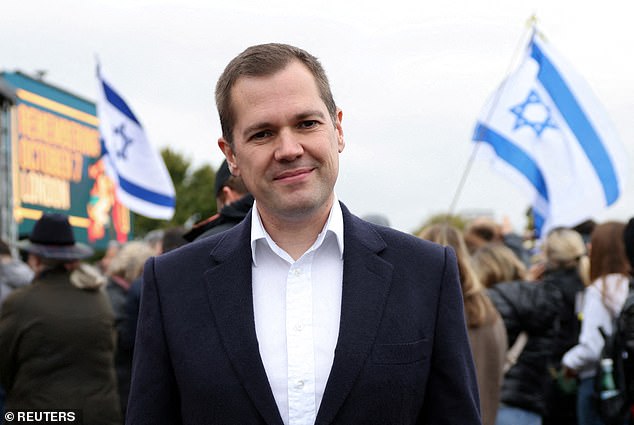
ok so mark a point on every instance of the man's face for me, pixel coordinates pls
(34, 262)
(286, 147)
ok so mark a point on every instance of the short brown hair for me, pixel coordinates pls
(263, 60)
(234, 183)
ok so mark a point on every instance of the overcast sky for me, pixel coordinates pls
(410, 76)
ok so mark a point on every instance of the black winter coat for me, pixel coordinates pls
(229, 216)
(570, 285)
(561, 405)
(534, 308)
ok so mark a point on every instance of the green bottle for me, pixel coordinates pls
(608, 388)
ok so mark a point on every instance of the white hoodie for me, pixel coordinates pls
(598, 311)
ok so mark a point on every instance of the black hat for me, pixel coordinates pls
(52, 237)
(628, 239)
(222, 175)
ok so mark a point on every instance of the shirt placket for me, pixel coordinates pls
(300, 345)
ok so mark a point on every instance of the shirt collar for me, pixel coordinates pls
(333, 225)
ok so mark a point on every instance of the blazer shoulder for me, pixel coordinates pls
(393, 245)
(220, 246)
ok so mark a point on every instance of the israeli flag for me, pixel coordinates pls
(545, 131)
(143, 182)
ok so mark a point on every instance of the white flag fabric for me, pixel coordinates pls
(545, 130)
(143, 182)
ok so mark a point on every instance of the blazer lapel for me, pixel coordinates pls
(231, 298)
(366, 283)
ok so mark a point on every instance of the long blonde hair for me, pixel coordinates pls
(478, 307)
(565, 249)
(495, 263)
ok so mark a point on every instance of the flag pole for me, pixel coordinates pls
(531, 24)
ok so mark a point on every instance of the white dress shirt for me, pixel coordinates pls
(297, 306)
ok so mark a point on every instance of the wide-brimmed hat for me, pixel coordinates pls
(52, 237)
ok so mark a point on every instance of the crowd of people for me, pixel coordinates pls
(71, 327)
(259, 314)
(551, 308)
(105, 326)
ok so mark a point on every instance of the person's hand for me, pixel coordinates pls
(536, 271)
(566, 380)
(569, 373)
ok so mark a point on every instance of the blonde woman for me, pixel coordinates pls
(529, 310)
(487, 334)
(565, 270)
(603, 300)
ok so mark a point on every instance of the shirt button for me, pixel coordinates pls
(299, 385)
(299, 327)
(297, 272)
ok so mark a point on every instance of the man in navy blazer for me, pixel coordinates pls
(303, 313)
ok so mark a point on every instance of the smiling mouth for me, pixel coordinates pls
(293, 174)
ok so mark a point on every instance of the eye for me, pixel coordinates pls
(261, 135)
(308, 124)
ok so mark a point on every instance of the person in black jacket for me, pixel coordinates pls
(233, 202)
(565, 273)
(529, 308)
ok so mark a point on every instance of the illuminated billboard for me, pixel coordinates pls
(56, 165)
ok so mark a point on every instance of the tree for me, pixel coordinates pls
(199, 198)
(194, 193)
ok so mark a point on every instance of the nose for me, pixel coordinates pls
(288, 146)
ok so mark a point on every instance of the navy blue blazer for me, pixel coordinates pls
(402, 356)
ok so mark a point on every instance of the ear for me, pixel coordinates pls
(226, 148)
(340, 141)
(230, 195)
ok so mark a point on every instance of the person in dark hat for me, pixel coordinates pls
(233, 201)
(57, 334)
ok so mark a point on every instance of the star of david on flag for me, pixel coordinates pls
(137, 168)
(545, 130)
(533, 113)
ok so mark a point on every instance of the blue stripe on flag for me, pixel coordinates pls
(145, 194)
(514, 156)
(118, 102)
(578, 123)
(538, 222)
